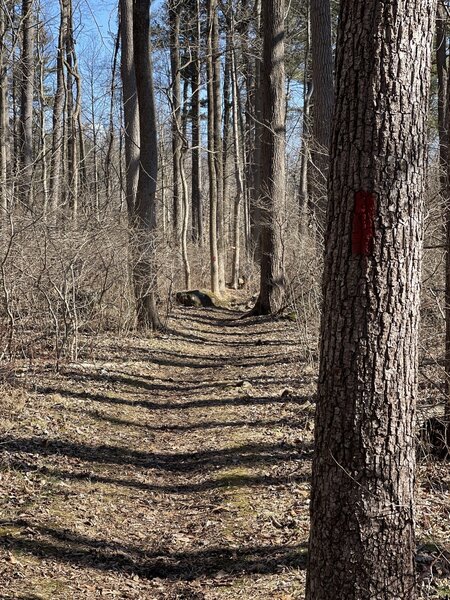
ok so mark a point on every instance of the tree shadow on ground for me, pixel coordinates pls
(202, 425)
(183, 404)
(223, 480)
(180, 462)
(172, 385)
(69, 547)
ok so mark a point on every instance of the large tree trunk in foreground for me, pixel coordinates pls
(144, 220)
(362, 507)
(272, 185)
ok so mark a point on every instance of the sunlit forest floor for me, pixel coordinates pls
(175, 467)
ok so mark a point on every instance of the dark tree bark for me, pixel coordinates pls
(57, 130)
(441, 68)
(26, 104)
(304, 203)
(197, 207)
(145, 206)
(130, 104)
(255, 180)
(174, 22)
(322, 98)
(226, 130)
(443, 129)
(237, 163)
(4, 118)
(213, 185)
(272, 184)
(218, 150)
(362, 506)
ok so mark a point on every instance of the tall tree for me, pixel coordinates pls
(322, 98)
(130, 104)
(57, 129)
(216, 99)
(362, 506)
(237, 162)
(26, 104)
(443, 131)
(145, 204)
(4, 117)
(213, 179)
(174, 23)
(197, 206)
(272, 183)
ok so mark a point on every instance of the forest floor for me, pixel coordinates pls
(175, 467)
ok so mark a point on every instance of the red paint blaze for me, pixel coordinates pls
(363, 229)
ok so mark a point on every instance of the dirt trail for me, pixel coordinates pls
(171, 467)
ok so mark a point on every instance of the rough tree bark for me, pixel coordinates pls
(130, 104)
(57, 130)
(237, 164)
(175, 97)
(323, 99)
(218, 150)
(304, 203)
(213, 246)
(4, 118)
(26, 104)
(272, 184)
(144, 221)
(362, 507)
(197, 206)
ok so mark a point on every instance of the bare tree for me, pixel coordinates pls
(57, 129)
(322, 98)
(174, 22)
(213, 179)
(144, 220)
(4, 116)
(197, 205)
(26, 105)
(130, 104)
(272, 184)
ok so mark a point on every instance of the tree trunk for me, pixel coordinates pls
(213, 246)
(218, 150)
(26, 105)
(226, 130)
(255, 199)
(272, 186)
(323, 98)
(442, 75)
(197, 207)
(362, 507)
(174, 21)
(443, 129)
(42, 110)
(75, 148)
(238, 167)
(304, 203)
(130, 105)
(145, 206)
(57, 131)
(4, 119)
